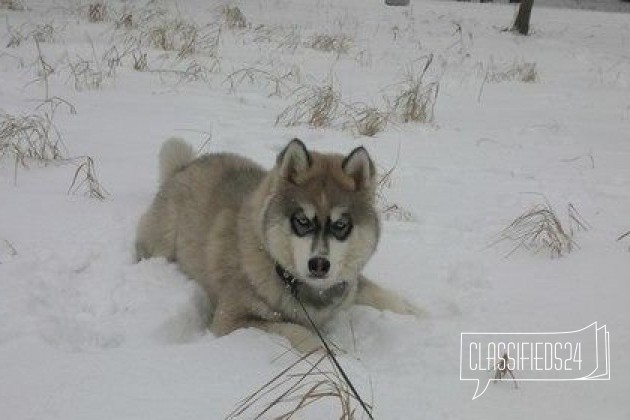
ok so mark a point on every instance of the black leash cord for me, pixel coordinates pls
(334, 359)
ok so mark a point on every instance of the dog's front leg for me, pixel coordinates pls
(371, 294)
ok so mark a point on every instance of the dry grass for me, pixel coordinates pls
(157, 27)
(233, 17)
(128, 16)
(85, 179)
(322, 106)
(7, 249)
(366, 120)
(539, 229)
(124, 19)
(275, 82)
(91, 73)
(416, 99)
(502, 370)
(15, 5)
(86, 73)
(387, 209)
(97, 12)
(35, 137)
(30, 137)
(307, 381)
(42, 32)
(623, 235)
(153, 27)
(184, 37)
(140, 60)
(518, 71)
(286, 38)
(337, 43)
(191, 70)
(317, 106)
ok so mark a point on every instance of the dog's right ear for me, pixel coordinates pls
(293, 160)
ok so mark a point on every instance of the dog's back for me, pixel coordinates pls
(198, 199)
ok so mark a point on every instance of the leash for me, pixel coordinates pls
(292, 282)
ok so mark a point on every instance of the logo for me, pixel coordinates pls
(543, 356)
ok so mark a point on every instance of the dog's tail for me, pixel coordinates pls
(175, 154)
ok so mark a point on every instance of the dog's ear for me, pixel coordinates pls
(358, 166)
(294, 159)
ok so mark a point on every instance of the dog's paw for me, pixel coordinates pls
(404, 307)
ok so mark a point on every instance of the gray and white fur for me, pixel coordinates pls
(230, 224)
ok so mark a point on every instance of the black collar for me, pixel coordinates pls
(308, 294)
(289, 279)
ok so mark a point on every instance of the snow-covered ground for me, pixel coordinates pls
(87, 334)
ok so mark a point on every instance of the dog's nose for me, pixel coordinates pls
(318, 266)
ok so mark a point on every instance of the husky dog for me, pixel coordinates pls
(257, 240)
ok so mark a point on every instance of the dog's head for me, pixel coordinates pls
(320, 222)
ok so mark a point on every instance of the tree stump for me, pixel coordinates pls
(521, 23)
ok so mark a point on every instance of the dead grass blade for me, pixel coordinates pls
(366, 120)
(85, 179)
(15, 5)
(338, 43)
(623, 235)
(540, 229)
(387, 209)
(277, 83)
(502, 370)
(97, 12)
(303, 383)
(233, 17)
(317, 106)
(416, 98)
(30, 137)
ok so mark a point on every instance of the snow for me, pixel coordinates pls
(87, 334)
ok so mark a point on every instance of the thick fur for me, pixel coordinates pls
(227, 221)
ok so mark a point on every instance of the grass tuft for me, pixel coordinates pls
(387, 209)
(539, 229)
(277, 83)
(366, 120)
(15, 5)
(42, 32)
(139, 60)
(518, 71)
(85, 179)
(30, 137)
(86, 74)
(416, 99)
(233, 17)
(337, 43)
(184, 37)
(97, 12)
(307, 381)
(317, 106)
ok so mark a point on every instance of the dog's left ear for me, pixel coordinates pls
(294, 159)
(360, 167)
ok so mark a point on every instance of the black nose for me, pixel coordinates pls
(318, 266)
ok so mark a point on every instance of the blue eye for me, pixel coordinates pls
(301, 224)
(341, 228)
